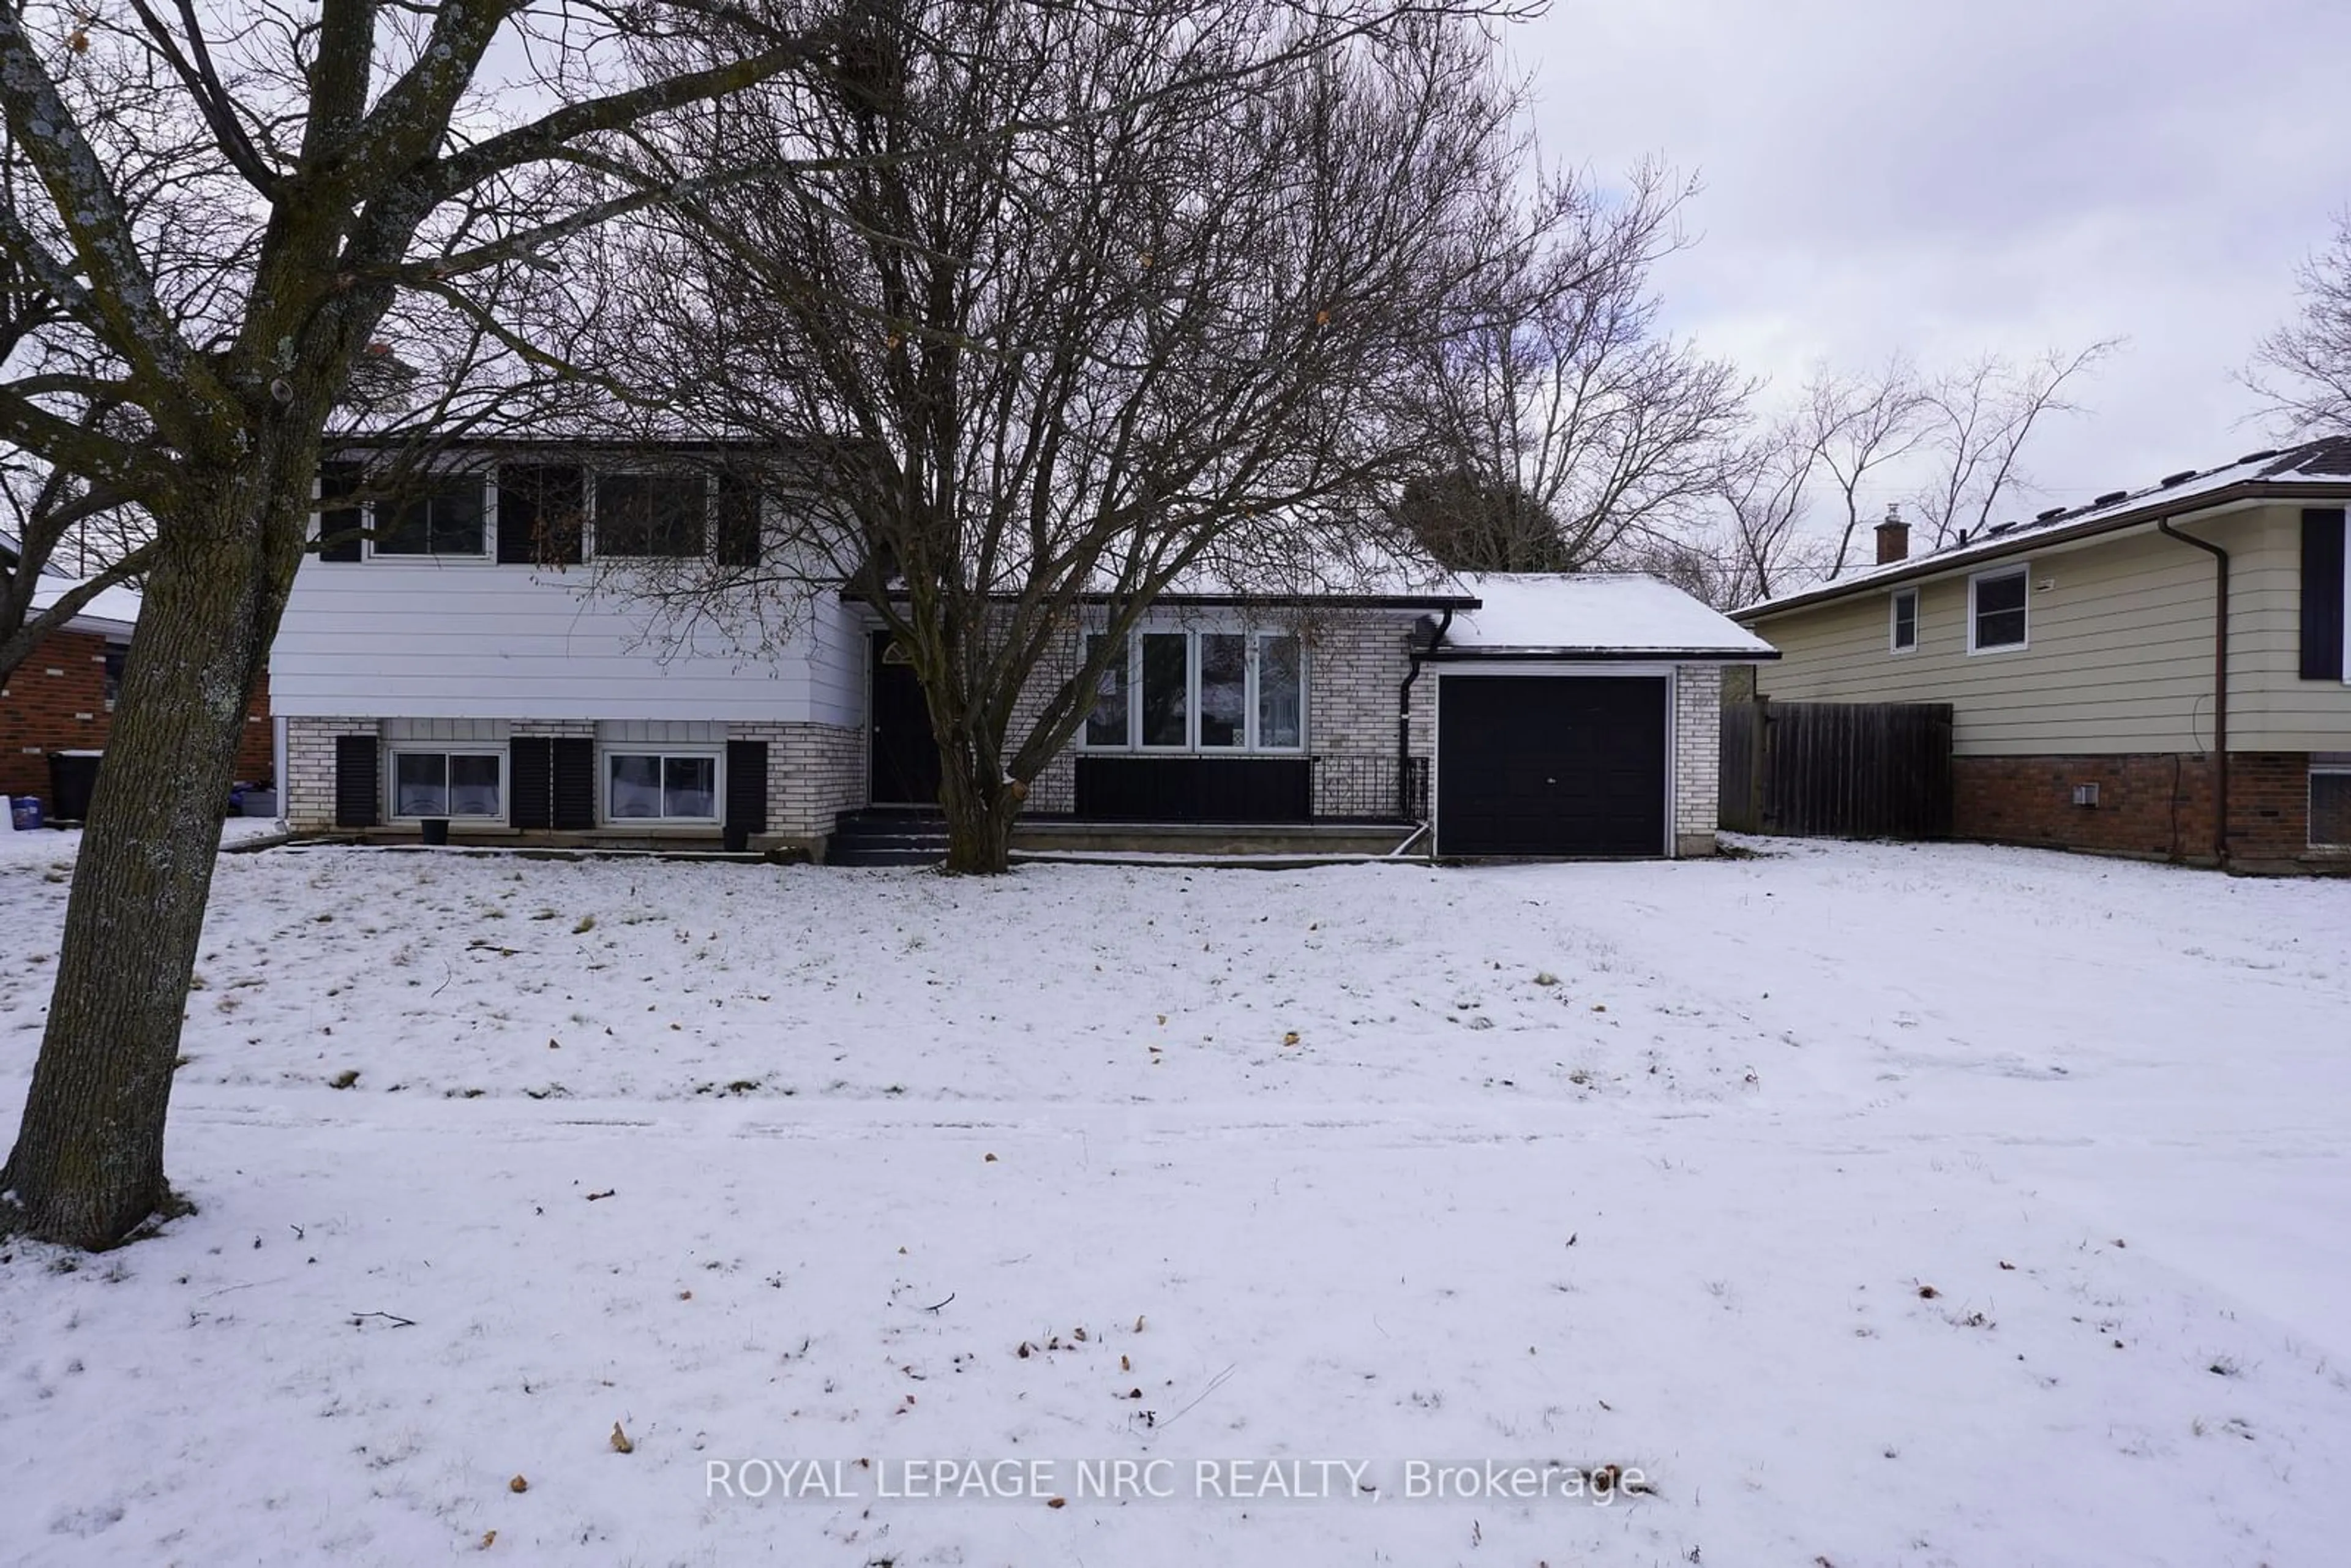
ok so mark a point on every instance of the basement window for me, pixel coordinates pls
(661, 786)
(467, 784)
(1995, 610)
(2330, 800)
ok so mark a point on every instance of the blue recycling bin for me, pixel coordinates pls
(24, 811)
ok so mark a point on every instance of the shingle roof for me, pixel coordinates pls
(2325, 462)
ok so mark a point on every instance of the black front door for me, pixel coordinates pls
(905, 758)
(1551, 765)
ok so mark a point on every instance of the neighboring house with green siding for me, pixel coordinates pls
(2083, 657)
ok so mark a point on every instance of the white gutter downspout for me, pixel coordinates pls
(278, 763)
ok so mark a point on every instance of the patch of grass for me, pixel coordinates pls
(587, 923)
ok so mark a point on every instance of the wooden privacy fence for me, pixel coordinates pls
(1855, 770)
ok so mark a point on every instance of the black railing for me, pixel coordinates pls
(1365, 787)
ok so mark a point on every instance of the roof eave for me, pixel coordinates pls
(1451, 655)
(1975, 554)
(1399, 601)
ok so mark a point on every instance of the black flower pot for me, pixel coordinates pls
(436, 829)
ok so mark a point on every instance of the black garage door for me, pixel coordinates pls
(1551, 765)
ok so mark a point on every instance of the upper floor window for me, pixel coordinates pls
(538, 514)
(1903, 635)
(1202, 691)
(652, 515)
(1995, 610)
(447, 521)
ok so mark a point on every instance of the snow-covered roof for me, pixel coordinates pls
(1296, 567)
(1592, 614)
(111, 609)
(2325, 463)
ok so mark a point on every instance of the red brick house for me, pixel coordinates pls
(61, 698)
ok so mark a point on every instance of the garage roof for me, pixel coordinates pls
(1593, 615)
(112, 611)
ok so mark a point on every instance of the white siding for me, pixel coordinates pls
(416, 639)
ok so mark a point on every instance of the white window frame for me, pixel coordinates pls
(395, 751)
(1252, 743)
(1191, 690)
(2022, 572)
(2323, 765)
(607, 750)
(486, 556)
(590, 546)
(1894, 643)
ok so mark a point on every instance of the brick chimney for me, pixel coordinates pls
(1893, 537)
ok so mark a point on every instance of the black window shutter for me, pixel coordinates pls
(746, 784)
(575, 783)
(540, 508)
(738, 522)
(530, 782)
(338, 527)
(358, 786)
(2322, 594)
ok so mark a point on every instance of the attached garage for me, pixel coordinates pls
(1579, 716)
(1552, 764)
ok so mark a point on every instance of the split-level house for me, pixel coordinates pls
(2160, 673)
(466, 660)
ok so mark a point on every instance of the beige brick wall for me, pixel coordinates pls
(1697, 756)
(815, 772)
(1054, 791)
(1357, 664)
(309, 793)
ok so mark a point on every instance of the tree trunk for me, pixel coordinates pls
(88, 1166)
(980, 811)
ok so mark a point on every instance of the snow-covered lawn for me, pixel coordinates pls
(1877, 1205)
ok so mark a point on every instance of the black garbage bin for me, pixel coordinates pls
(73, 775)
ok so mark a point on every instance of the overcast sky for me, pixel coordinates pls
(1980, 174)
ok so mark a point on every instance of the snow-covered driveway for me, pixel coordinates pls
(1873, 1204)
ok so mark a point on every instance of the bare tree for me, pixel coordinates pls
(1566, 423)
(224, 203)
(1858, 425)
(1978, 421)
(55, 517)
(1041, 380)
(2302, 371)
(1758, 545)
